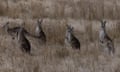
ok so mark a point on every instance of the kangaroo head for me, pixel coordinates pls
(39, 21)
(39, 27)
(103, 24)
(69, 29)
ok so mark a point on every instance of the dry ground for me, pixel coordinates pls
(83, 15)
(54, 56)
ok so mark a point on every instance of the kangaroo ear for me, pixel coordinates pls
(103, 22)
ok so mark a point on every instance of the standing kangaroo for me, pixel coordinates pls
(39, 32)
(71, 39)
(23, 42)
(105, 40)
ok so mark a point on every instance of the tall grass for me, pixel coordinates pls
(54, 56)
(83, 9)
(3, 9)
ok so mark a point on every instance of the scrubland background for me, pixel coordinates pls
(83, 15)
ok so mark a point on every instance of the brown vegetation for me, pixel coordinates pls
(83, 15)
(82, 9)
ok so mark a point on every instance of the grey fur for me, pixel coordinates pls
(71, 39)
(39, 32)
(13, 31)
(23, 41)
(105, 40)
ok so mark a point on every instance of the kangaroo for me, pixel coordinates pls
(105, 39)
(39, 32)
(23, 41)
(13, 31)
(71, 39)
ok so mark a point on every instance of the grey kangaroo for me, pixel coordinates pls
(23, 41)
(105, 39)
(71, 39)
(39, 31)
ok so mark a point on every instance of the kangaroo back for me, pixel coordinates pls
(24, 43)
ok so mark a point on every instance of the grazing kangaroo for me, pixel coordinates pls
(23, 42)
(105, 40)
(39, 32)
(71, 39)
(13, 31)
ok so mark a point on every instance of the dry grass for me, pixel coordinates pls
(83, 15)
(54, 57)
(79, 9)
(2, 9)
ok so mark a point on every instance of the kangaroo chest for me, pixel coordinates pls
(102, 35)
(38, 31)
(68, 36)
